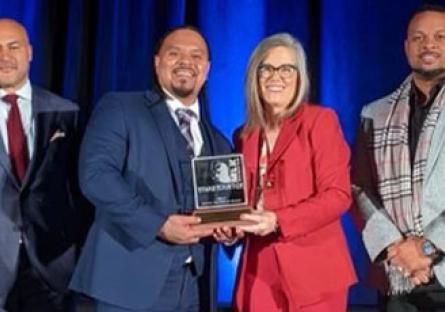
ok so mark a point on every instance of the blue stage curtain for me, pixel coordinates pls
(84, 48)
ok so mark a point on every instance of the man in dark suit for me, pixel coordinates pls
(143, 252)
(39, 228)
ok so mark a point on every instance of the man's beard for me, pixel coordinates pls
(430, 74)
(182, 91)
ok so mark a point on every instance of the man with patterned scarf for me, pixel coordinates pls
(399, 173)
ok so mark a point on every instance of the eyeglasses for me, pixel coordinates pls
(266, 71)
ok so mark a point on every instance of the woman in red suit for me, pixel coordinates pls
(295, 256)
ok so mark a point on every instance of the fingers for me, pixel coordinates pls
(257, 223)
(200, 230)
(223, 234)
(239, 233)
(416, 281)
(254, 217)
(260, 229)
(180, 229)
(187, 225)
(424, 278)
(254, 228)
(402, 270)
(421, 277)
(264, 222)
(184, 220)
(227, 235)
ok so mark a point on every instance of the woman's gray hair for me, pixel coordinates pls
(255, 110)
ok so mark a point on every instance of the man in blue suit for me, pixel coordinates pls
(40, 228)
(143, 252)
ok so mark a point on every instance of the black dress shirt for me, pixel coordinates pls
(419, 108)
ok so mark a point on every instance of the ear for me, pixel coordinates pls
(207, 71)
(29, 53)
(405, 45)
(157, 60)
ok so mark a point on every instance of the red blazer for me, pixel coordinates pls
(307, 185)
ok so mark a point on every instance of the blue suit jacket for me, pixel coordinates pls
(45, 207)
(129, 170)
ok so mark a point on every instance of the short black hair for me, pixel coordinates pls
(160, 42)
(427, 7)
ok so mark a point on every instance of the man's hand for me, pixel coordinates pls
(265, 222)
(408, 256)
(179, 229)
(227, 235)
(421, 277)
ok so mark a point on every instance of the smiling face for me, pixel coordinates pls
(425, 45)
(277, 92)
(15, 55)
(182, 64)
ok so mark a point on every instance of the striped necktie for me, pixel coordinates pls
(185, 117)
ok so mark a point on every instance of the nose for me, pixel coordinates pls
(185, 58)
(275, 75)
(4, 53)
(430, 42)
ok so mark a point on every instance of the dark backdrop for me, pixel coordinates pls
(84, 48)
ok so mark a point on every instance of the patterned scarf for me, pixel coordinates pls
(400, 182)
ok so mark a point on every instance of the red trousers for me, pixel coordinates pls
(266, 290)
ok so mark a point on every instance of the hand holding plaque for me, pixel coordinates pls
(220, 189)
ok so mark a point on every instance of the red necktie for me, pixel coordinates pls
(18, 149)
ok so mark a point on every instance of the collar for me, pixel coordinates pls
(173, 104)
(418, 97)
(24, 92)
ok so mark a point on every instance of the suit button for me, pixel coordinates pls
(269, 184)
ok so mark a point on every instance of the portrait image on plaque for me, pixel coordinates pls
(220, 188)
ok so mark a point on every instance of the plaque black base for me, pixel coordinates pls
(229, 216)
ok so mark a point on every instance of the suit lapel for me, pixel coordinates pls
(250, 147)
(42, 121)
(436, 150)
(208, 137)
(285, 137)
(6, 163)
(436, 146)
(165, 125)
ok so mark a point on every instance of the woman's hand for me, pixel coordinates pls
(265, 222)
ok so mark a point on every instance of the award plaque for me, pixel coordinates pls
(220, 189)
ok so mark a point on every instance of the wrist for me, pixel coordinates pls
(431, 251)
(428, 249)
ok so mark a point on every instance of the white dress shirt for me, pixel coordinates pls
(173, 104)
(24, 103)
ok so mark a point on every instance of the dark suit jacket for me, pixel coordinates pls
(129, 170)
(45, 207)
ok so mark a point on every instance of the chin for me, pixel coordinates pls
(430, 73)
(6, 84)
(182, 92)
